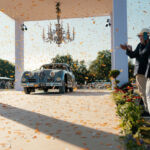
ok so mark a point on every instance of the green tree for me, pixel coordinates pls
(63, 59)
(101, 66)
(81, 72)
(79, 68)
(7, 69)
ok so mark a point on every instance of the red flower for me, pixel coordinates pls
(129, 87)
(129, 100)
(137, 97)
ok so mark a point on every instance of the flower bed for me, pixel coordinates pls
(129, 110)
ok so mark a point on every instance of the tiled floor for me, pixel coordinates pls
(82, 120)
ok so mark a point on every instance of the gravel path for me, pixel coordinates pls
(82, 120)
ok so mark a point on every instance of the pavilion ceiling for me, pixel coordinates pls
(36, 10)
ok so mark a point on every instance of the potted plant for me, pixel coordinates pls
(113, 74)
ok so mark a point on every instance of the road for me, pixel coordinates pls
(82, 120)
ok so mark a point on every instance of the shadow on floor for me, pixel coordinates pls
(61, 129)
(75, 93)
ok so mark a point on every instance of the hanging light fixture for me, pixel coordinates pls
(58, 35)
(23, 27)
(108, 24)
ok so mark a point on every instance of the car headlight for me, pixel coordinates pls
(58, 79)
(23, 79)
(52, 74)
(29, 74)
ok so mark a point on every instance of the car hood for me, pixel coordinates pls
(45, 72)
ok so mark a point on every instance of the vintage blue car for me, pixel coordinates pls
(49, 76)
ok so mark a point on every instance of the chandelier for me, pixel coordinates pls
(58, 35)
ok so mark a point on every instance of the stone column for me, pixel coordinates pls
(19, 55)
(119, 36)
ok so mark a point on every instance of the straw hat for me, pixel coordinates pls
(144, 30)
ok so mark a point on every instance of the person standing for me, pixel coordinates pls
(141, 62)
(146, 52)
(148, 82)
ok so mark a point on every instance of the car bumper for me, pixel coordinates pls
(41, 84)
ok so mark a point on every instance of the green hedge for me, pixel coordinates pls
(129, 111)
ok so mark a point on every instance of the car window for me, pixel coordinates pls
(58, 66)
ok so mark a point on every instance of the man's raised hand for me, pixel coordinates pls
(124, 47)
(129, 47)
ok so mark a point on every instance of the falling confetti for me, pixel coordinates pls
(48, 137)
(37, 131)
(121, 70)
(2, 10)
(78, 133)
(111, 50)
(144, 11)
(34, 137)
(103, 65)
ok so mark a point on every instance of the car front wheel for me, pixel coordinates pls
(45, 90)
(62, 89)
(70, 89)
(27, 90)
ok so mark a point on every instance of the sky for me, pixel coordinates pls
(91, 36)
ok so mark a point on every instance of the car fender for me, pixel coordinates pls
(60, 74)
(63, 75)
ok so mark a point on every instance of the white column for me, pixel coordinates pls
(19, 55)
(119, 36)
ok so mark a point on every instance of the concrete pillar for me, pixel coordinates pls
(119, 36)
(19, 55)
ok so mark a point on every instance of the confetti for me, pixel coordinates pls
(2, 10)
(37, 131)
(117, 29)
(48, 137)
(34, 137)
(84, 143)
(78, 133)
(144, 11)
(103, 65)
(121, 70)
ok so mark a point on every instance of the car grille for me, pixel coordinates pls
(32, 80)
(50, 80)
(41, 76)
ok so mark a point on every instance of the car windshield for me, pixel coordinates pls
(54, 66)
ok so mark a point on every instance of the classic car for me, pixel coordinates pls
(6, 83)
(49, 76)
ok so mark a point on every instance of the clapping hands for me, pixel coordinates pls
(125, 47)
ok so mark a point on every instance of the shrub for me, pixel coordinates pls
(129, 110)
(114, 73)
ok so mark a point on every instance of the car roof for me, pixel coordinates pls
(51, 64)
(6, 78)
